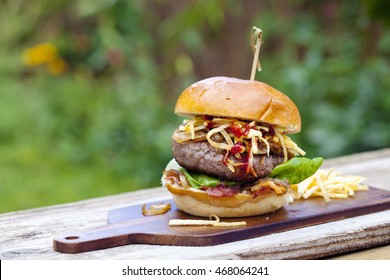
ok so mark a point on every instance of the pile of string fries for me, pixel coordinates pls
(328, 184)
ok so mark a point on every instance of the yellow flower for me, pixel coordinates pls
(40, 54)
(44, 54)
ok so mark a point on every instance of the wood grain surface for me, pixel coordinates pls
(128, 225)
(29, 234)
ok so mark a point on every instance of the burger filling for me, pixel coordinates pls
(227, 156)
(184, 179)
(239, 138)
(203, 158)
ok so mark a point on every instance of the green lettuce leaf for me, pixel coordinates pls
(297, 169)
(198, 180)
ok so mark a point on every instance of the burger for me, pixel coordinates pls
(231, 155)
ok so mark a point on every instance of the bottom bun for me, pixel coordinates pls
(199, 203)
(195, 207)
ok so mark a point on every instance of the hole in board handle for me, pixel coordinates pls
(71, 237)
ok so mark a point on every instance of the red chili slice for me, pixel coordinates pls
(239, 132)
(237, 148)
(234, 129)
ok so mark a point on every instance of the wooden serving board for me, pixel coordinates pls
(127, 225)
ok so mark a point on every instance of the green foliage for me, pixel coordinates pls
(102, 129)
(338, 79)
(102, 125)
(78, 138)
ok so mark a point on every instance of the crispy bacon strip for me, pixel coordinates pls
(222, 190)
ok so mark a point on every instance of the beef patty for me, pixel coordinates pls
(201, 157)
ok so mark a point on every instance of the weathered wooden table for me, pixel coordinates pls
(29, 234)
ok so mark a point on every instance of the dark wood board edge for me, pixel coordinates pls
(124, 235)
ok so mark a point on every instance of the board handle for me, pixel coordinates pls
(96, 239)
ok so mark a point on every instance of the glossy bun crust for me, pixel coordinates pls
(241, 99)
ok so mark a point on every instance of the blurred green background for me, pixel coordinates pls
(87, 88)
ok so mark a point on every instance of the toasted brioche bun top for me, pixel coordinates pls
(241, 99)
